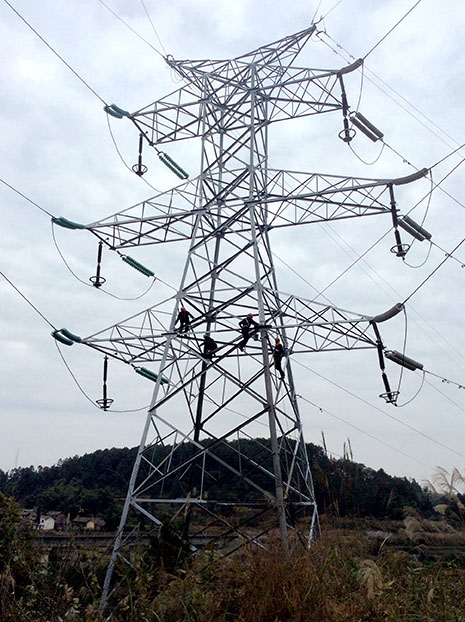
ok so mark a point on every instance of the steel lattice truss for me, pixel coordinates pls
(200, 437)
(290, 198)
(309, 327)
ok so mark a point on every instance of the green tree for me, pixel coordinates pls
(9, 530)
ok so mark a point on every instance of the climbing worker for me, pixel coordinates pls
(245, 325)
(278, 354)
(184, 320)
(209, 346)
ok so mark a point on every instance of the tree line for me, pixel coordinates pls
(96, 484)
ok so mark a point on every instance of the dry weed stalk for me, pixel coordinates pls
(430, 596)
(441, 508)
(369, 576)
(413, 528)
(445, 484)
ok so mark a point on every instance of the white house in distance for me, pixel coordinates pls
(46, 523)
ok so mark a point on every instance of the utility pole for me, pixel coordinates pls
(222, 452)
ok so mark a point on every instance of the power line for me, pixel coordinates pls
(417, 393)
(324, 410)
(415, 108)
(316, 11)
(446, 380)
(373, 161)
(27, 198)
(444, 395)
(27, 300)
(55, 52)
(462, 263)
(153, 26)
(392, 29)
(66, 263)
(115, 144)
(445, 177)
(448, 156)
(154, 279)
(130, 27)
(433, 272)
(328, 12)
(389, 285)
(370, 248)
(404, 159)
(303, 278)
(361, 399)
(74, 377)
(79, 386)
(59, 350)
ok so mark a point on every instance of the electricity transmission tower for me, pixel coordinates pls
(201, 465)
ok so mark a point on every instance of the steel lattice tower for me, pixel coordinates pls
(228, 214)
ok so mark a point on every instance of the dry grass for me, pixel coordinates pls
(346, 577)
(370, 578)
(338, 581)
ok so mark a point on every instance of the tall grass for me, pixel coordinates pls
(346, 577)
(340, 580)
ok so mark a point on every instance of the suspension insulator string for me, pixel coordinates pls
(399, 249)
(347, 133)
(139, 168)
(105, 402)
(98, 280)
(390, 396)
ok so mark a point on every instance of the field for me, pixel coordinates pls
(355, 572)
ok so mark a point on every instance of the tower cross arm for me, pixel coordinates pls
(172, 216)
(219, 95)
(302, 92)
(125, 231)
(296, 198)
(224, 105)
(310, 326)
(176, 116)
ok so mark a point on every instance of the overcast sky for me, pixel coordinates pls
(56, 148)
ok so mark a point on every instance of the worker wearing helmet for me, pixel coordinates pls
(209, 346)
(245, 325)
(278, 354)
(184, 319)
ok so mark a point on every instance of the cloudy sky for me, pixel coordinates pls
(56, 148)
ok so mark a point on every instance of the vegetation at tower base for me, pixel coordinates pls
(96, 484)
(347, 576)
(374, 569)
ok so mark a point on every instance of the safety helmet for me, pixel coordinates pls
(182, 309)
(277, 340)
(250, 315)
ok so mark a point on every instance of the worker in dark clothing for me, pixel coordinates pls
(245, 325)
(184, 319)
(209, 346)
(278, 354)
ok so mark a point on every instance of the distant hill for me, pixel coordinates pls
(96, 484)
